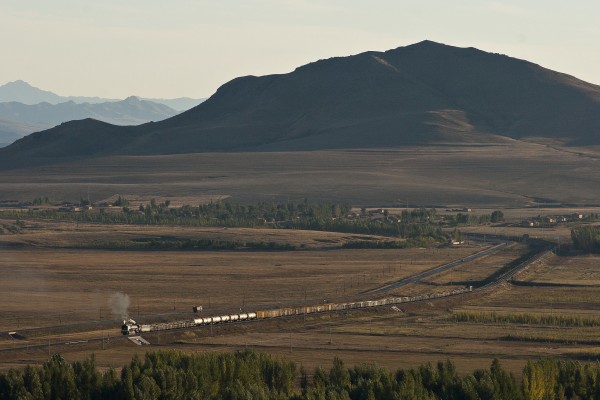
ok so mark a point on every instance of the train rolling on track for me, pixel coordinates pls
(130, 327)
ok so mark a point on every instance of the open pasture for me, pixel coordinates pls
(581, 270)
(51, 286)
(51, 283)
(510, 175)
(157, 282)
(56, 234)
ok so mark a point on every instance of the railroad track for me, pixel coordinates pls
(436, 270)
(508, 276)
(505, 277)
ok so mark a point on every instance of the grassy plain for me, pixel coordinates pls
(516, 174)
(47, 280)
(46, 283)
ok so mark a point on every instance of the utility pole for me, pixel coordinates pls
(290, 342)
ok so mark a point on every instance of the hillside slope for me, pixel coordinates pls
(420, 94)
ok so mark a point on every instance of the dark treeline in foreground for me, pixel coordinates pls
(251, 375)
(586, 238)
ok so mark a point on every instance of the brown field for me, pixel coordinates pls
(479, 270)
(48, 282)
(52, 234)
(474, 176)
(576, 271)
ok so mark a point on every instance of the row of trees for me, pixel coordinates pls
(251, 375)
(586, 238)
(186, 244)
(414, 224)
(472, 219)
(531, 319)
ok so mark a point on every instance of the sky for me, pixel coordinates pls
(157, 48)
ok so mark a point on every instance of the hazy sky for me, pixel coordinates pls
(151, 48)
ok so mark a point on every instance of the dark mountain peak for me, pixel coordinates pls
(428, 44)
(426, 93)
(84, 122)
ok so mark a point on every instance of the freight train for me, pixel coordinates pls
(131, 327)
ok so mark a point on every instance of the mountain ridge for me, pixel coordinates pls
(22, 92)
(18, 119)
(425, 93)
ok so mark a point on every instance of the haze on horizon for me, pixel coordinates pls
(190, 47)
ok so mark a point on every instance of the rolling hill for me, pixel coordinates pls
(426, 93)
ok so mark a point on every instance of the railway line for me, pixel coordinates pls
(130, 327)
(437, 270)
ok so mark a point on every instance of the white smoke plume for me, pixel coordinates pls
(119, 303)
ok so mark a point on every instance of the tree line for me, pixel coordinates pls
(333, 217)
(187, 244)
(530, 319)
(586, 238)
(252, 375)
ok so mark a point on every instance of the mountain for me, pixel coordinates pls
(18, 119)
(131, 111)
(22, 92)
(178, 104)
(11, 131)
(426, 93)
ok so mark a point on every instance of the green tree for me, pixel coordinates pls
(497, 216)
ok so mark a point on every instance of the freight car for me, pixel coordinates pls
(131, 327)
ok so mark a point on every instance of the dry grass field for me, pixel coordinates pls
(516, 174)
(46, 283)
(576, 271)
(51, 281)
(51, 286)
(65, 291)
(56, 234)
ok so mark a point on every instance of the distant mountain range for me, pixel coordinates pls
(23, 92)
(25, 109)
(426, 93)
